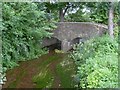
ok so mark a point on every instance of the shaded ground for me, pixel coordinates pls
(49, 71)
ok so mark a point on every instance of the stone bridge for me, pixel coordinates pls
(69, 33)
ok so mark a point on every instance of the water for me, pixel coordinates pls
(52, 70)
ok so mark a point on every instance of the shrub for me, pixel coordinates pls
(97, 62)
(23, 28)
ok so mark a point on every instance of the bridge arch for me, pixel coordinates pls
(52, 43)
(70, 32)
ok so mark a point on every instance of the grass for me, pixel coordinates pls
(49, 60)
(44, 79)
(18, 78)
(65, 73)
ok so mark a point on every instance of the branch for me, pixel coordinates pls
(66, 9)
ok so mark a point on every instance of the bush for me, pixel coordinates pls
(97, 62)
(23, 28)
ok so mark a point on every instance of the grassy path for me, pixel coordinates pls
(49, 71)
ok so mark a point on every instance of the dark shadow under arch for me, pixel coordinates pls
(77, 40)
(52, 43)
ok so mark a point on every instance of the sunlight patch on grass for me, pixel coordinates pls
(65, 71)
(44, 79)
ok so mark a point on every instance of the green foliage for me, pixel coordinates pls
(79, 16)
(97, 62)
(99, 72)
(25, 25)
(100, 45)
(23, 28)
(95, 12)
(100, 12)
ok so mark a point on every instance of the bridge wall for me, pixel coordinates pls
(72, 30)
(49, 41)
(66, 32)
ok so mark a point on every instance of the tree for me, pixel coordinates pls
(99, 12)
(67, 7)
(81, 13)
(110, 20)
(105, 13)
(61, 8)
(119, 43)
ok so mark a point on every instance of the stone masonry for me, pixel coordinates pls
(66, 32)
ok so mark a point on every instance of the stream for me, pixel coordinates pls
(52, 70)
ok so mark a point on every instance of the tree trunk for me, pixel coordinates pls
(110, 20)
(61, 15)
(119, 45)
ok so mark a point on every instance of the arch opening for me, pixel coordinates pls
(76, 41)
(54, 46)
(52, 43)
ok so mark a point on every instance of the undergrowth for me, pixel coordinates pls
(97, 62)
